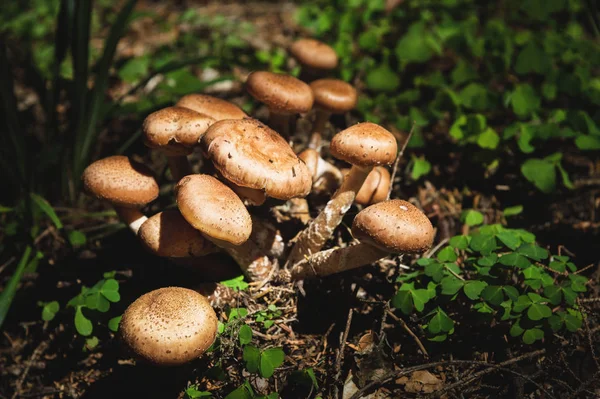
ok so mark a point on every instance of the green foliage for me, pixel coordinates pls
(267, 316)
(494, 273)
(192, 392)
(512, 89)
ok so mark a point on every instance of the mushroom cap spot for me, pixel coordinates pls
(375, 188)
(394, 226)
(310, 157)
(250, 154)
(364, 144)
(121, 181)
(169, 326)
(213, 208)
(175, 130)
(214, 107)
(168, 234)
(314, 54)
(283, 94)
(334, 95)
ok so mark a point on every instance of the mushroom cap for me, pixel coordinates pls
(175, 130)
(214, 107)
(250, 154)
(314, 54)
(364, 144)
(169, 326)
(121, 181)
(394, 226)
(213, 208)
(282, 94)
(311, 157)
(168, 234)
(375, 188)
(334, 95)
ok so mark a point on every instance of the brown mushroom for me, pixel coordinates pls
(325, 176)
(284, 95)
(214, 209)
(175, 131)
(214, 107)
(393, 226)
(169, 326)
(332, 96)
(126, 184)
(314, 56)
(364, 145)
(375, 188)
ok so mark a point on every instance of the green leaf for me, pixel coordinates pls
(532, 59)
(403, 301)
(91, 343)
(421, 167)
(96, 301)
(440, 322)
(420, 298)
(524, 100)
(471, 217)
(522, 303)
(488, 260)
(236, 283)
(240, 393)
(237, 313)
(516, 330)
(475, 96)
(459, 242)
(49, 310)
(82, 324)
(511, 292)
(533, 252)
(451, 285)
(251, 357)
(538, 311)
(113, 324)
(531, 335)
(573, 323)
(474, 288)
(513, 210)
(447, 255)
(77, 238)
(483, 243)
(488, 139)
(514, 259)
(135, 69)
(270, 359)
(413, 46)
(493, 294)
(47, 209)
(509, 238)
(435, 271)
(541, 173)
(382, 79)
(587, 143)
(245, 334)
(110, 290)
(192, 392)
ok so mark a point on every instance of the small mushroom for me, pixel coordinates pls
(393, 226)
(175, 131)
(214, 209)
(315, 57)
(169, 326)
(364, 145)
(284, 95)
(325, 176)
(332, 96)
(375, 189)
(126, 184)
(214, 107)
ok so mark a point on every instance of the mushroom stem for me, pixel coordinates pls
(328, 171)
(316, 136)
(179, 166)
(249, 256)
(280, 123)
(336, 260)
(132, 217)
(312, 239)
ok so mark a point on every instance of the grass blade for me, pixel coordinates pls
(47, 209)
(7, 295)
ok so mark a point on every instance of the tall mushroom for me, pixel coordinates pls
(393, 226)
(175, 131)
(284, 95)
(169, 326)
(214, 107)
(126, 184)
(315, 57)
(332, 96)
(364, 145)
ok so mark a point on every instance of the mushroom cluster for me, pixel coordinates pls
(251, 165)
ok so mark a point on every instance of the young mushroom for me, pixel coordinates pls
(284, 95)
(169, 326)
(325, 176)
(393, 226)
(214, 209)
(332, 96)
(364, 145)
(175, 131)
(214, 107)
(126, 184)
(315, 57)
(375, 189)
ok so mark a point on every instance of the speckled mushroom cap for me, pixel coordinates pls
(214, 107)
(213, 208)
(168, 234)
(334, 95)
(120, 181)
(283, 94)
(394, 226)
(314, 54)
(364, 144)
(375, 188)
(250, 154)
(310, 157)
(169, 326)
(175, 130)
